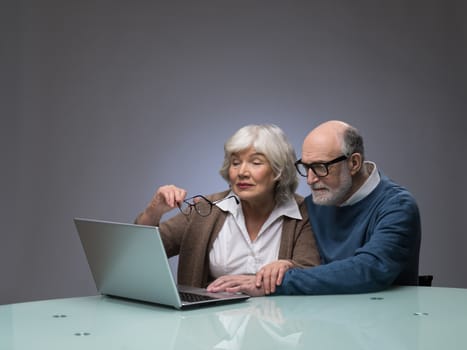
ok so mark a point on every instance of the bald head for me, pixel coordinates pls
(325, 142)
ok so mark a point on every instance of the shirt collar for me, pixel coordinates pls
(368, 186)
(288, 208)
(230, 205)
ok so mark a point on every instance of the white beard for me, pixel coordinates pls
(328, 196)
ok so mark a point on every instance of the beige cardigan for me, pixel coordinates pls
(192, 239)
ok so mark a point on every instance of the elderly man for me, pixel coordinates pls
(367, 227)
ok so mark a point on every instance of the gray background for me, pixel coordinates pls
(104, 101)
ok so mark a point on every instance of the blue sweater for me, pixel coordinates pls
(364, 247)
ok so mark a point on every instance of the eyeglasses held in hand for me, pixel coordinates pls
(319, 169)
(202, 205)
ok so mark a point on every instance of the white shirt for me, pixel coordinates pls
(368, 186)
(233, 252)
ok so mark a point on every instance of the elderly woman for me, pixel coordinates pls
(259, 224)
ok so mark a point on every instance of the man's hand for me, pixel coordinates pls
(271, 275)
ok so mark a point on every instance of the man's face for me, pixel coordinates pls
(332, 189)
(335, 187)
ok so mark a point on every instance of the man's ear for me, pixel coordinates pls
(355, 163)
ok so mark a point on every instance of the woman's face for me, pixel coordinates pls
(251, 176)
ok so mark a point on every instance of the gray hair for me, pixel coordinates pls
(271, 141)
(352, 142)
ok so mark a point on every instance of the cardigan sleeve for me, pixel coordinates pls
(298, 243)
(172, 232)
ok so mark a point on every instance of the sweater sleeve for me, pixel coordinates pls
(394, 240)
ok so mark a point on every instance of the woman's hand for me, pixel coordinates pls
(165, 199)
(236, 284)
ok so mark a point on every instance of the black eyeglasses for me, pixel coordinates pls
(319, 169)
(202, 205)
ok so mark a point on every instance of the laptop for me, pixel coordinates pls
(129, 261)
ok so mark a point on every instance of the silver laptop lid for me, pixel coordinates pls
(128, 261)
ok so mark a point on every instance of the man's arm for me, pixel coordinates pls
(374, 266)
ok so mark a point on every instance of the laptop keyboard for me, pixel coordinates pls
(190, 297)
